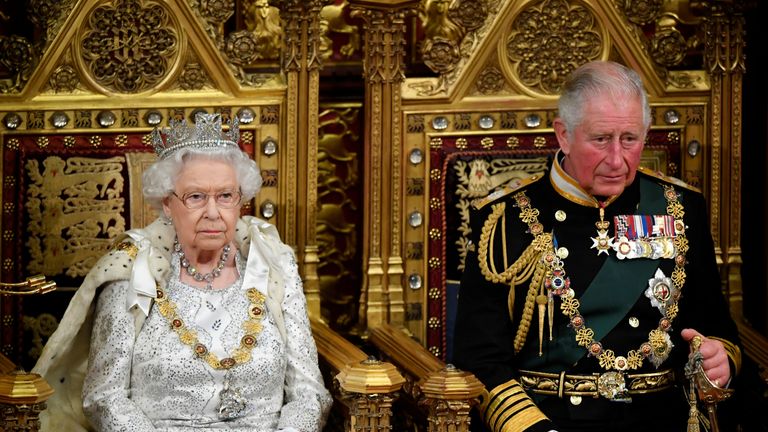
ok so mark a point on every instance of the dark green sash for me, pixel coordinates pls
(612, 293)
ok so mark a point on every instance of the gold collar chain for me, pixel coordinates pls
(658, 346)
(242, 354)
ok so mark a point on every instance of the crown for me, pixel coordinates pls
(205, 134)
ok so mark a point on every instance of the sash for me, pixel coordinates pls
(603, 304)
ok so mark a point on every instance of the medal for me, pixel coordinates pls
(661, 291)
(646, 236)
(602, 242)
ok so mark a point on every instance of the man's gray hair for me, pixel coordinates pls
(599, 79)
(160, 178)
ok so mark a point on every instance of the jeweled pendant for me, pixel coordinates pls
(232, 404)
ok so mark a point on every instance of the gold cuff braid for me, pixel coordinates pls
(507, 408)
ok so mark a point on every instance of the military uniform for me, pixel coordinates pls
(571, 315)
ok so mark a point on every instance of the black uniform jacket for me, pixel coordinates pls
(485, 332)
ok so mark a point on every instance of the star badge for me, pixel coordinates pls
(602, 242)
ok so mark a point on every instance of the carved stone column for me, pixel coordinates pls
(384, 23)
(301, 63)
(724, 60)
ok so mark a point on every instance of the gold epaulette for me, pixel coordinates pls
(507, 408)
(733, 351)
(668, 179)
(481, 202)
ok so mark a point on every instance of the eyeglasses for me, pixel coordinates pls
(223, 199)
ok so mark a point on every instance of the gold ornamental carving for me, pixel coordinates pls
(668, 46)
(64, 79)
(447, 25)
(16, 55)
(20, 55)
(242, 48)
(548, 40)
(641, 12)
(75, 208)
(49, 17)
(333, 21)
(490, 81)
(263, 21)
(23, 397)
(338, 185)
(194, 77)
(471, 14)
(40, 328)
(442, 37)
(130, 46)
(449, 394)
(385, 44)
(215, 12)
(298, 17)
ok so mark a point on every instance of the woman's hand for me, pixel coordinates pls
(715, 362)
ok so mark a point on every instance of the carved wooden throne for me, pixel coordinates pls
(375, 123)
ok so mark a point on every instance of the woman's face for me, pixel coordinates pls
(210, 227)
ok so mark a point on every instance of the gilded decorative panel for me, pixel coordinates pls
(549, 39)
(129, 46)
(72, 194)
(339, 218)
(71, 183)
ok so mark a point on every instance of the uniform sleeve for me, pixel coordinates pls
(106, 389)
(483, 345)
(307, 401)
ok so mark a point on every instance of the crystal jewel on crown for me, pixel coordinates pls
(205, 133)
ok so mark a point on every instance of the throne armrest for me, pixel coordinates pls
(447, 393)
(364, 386)
(23, 397)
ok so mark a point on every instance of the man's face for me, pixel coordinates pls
(603, 152)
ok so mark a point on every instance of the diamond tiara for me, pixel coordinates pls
(205, 134)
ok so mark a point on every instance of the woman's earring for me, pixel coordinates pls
(166, 220)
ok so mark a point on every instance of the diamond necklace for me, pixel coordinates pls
(192, 270)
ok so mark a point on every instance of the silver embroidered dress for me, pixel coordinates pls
(153, 381)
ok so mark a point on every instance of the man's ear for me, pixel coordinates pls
(561, 133)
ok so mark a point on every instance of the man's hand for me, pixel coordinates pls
(715, 362)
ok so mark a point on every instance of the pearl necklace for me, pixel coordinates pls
(192, 270)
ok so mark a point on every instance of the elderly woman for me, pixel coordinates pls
(200, 319)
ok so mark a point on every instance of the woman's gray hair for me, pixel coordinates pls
(599, 79)
(160, 178)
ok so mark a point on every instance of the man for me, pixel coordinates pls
(586, 285)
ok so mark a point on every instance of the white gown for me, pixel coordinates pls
(155, 382)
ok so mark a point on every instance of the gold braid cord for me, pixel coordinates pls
(528, 266)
